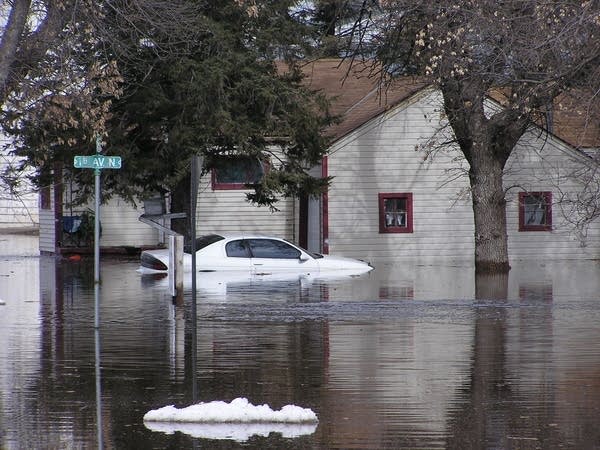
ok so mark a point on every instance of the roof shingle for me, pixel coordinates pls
(356, 97)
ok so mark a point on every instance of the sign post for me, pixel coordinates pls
(97, 162)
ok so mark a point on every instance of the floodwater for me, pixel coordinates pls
(415, 356)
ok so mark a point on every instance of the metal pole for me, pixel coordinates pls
(97, 238)
(194, 198)
(97, 296)
(99, 427)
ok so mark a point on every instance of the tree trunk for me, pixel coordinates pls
(11, 38)
(16, 62)
(489, 210)
(487, 144)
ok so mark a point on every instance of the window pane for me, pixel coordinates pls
(267, 248)
(395, 212)
(535, 210)
(237, 249)
(239, 170)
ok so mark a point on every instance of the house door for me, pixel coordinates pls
(311, 227)
(310, 224)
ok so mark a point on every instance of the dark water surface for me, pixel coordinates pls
(404, 357)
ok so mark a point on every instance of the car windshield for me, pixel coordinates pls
(202, 241)
(313, 254)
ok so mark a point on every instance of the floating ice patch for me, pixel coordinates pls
(238, 411)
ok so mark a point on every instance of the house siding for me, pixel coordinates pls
(224, 211)
(121, 226)
(17, 210)
(543, 163)
(47, 241)
(382, 156)
(386, 155)
(228, 211)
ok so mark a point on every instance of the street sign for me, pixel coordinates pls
(97, 162)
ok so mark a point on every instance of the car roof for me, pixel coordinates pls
(230, 236)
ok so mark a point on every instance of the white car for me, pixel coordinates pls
(251, 254)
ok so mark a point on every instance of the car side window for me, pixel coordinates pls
(270, 248)
(237, 249)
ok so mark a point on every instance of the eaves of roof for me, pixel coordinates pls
(357, 97)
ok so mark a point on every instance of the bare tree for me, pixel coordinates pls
(52, 48)
(526, 52)
(23, 45)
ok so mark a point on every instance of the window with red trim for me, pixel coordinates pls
(395, 213)
(237, 172)
(535, 211)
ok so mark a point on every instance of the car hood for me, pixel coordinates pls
(330, 262)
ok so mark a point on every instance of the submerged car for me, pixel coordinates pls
(253, 254)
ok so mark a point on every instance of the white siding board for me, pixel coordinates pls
(228, 211)
(21, 209)
(225, 211)
(18, 212)
(382, 158)
(46, 235)
(542, 163)
(121, 226)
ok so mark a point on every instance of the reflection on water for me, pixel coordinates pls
(402, 357)
(240, 432)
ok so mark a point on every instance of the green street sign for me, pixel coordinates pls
(97, 162)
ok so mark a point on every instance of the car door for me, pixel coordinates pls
(274, 255)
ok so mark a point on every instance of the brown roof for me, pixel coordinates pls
(356, 97)
(576, 119)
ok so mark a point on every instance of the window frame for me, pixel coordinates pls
(547, 195)
(242, 242)
(382, 197)
(224, 186)
(248, 244)
(276, 245)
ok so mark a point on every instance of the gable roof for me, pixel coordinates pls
(356, 97)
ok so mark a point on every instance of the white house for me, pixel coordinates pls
(392, 197)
